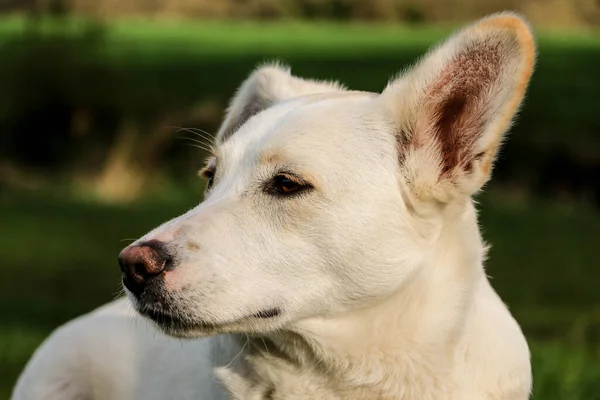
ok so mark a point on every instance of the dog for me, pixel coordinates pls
(336, 255)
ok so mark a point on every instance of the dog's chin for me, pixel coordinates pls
(185, 328)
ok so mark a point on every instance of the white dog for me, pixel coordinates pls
(337, 254)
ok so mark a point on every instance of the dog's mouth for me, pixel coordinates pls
(178, 325)
(161, 308)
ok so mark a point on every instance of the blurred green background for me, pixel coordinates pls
(92, 95)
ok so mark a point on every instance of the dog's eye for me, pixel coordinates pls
(209, 174)
(287, 185)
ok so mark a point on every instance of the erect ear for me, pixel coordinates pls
(453, 108)
(266, 86)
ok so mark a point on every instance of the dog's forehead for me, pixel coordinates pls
(300, 126)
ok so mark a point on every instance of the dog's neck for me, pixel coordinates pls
(404, 344)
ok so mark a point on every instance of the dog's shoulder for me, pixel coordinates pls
(59, 367)
(113, 353)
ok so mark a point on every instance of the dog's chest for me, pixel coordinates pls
(263, 375)
(270, 379)
(260, 371)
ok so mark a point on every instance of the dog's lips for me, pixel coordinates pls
(268, 313)
(177, 326)
(170, 322)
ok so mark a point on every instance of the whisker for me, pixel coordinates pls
(203, 145)
(202, 134)
(194, 140)
(240, 352)
(198, 147)
(265, 344)
(119, 293)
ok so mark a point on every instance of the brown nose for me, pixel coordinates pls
(142, 262)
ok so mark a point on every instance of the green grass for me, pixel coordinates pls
(59, 261)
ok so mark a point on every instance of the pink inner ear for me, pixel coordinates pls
(457, 104)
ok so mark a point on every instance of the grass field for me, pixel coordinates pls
(58, 253)
(59, 260)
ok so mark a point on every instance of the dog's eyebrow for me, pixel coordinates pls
(271, 158)
(212, 160)
(281, 163)
(210, 164)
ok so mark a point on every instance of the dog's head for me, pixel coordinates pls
(320, 200)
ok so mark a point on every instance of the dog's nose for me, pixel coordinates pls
(141, 263)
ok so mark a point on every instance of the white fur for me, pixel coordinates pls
(378, 271)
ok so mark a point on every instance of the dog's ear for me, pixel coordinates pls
(267, 86)
(453, 108)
